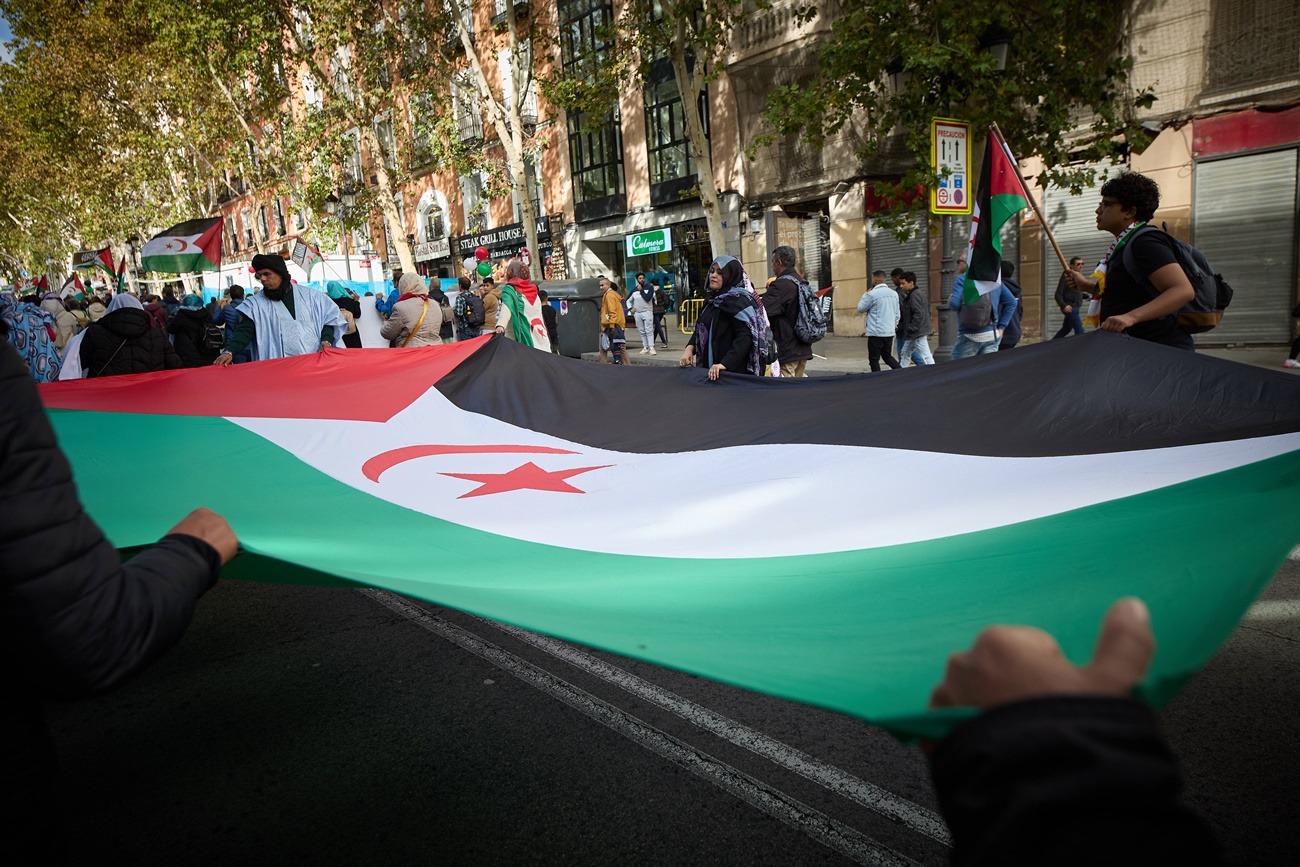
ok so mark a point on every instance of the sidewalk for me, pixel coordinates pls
(837, 354)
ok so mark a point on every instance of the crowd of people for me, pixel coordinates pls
(738, 329)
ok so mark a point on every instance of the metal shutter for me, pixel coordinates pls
(1073, 221)
(885, 253)
(1244, 221)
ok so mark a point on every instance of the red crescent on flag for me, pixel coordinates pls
(183, 244)
(375, 467)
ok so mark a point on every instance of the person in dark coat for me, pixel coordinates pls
(187, 328)
(914, 323)
(730, 325)
(347, 301)
(660, 311)
(1061, 766)
(1011, 336)
(550, 320)
(153, 306)
(227, 317)
(1070, 300)
(126, 341)
(437, 296)
(75, 621)
(782, 303)
(169, 301)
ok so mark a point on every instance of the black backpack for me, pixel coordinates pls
(1213, 294)
(211, 339)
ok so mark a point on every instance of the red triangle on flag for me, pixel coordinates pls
(210, 243)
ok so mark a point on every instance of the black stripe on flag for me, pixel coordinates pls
(1097, 393)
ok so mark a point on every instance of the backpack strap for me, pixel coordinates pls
(1126, 258)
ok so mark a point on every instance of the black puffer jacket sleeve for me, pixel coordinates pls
(75, 620)
(1073, 780)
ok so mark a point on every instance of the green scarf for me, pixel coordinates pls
(519, 327)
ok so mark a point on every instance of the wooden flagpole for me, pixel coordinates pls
(1042, 221)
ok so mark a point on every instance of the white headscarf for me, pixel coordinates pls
(121, 300)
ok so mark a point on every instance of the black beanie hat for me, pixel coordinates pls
(273, 263)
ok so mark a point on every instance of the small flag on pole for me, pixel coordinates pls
(121, 275)
(94, 259)
(999, 198)
(194, 245)
(306, 256)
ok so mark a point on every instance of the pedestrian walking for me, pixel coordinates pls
(781, 300)
(880, 303)
(1011, 336)
(612, 321)
(660, 313)
(1069, 300)
(642, 301)
(915, 324)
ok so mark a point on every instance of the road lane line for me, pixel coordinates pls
(841, 782)
(817, 825)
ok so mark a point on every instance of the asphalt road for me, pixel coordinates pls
(339, 726)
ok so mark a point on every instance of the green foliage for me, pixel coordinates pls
(1066, 69)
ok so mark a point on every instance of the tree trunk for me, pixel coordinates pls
(689, 89)
(506, 120)
(388, 207)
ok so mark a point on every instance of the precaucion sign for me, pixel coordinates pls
(650, 243)
(950, 157)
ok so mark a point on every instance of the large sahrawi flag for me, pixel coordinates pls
(826, 540)
(999, 197)
(194, 245)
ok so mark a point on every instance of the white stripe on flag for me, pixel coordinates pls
(840, 479)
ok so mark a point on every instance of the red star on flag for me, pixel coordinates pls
(528, 477)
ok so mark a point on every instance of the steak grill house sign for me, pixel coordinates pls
(504, 242)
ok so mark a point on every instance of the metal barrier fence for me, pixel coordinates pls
(689, 313)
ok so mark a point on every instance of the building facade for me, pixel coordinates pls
(614, 194)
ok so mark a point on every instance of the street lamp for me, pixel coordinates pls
(997, 42)
(334, 206)
(132, 242)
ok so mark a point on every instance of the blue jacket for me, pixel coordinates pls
(1004, 306)
(880, 303)
(385, 305)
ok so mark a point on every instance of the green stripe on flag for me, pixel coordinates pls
(864, 632)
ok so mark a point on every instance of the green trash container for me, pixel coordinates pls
(578, 305)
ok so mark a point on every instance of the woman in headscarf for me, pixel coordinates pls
(189, 328)
(65, 324)
(95, 309)
(519, 315)
(347, 302)
(414, 321)
(126, 341)
(77, 307)
(30, 329)
(731, 328)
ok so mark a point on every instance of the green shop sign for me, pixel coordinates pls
(650, 243)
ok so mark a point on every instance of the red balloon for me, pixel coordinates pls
(481, 254)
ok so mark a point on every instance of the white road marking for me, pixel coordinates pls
(872, 797)
(822, 828)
